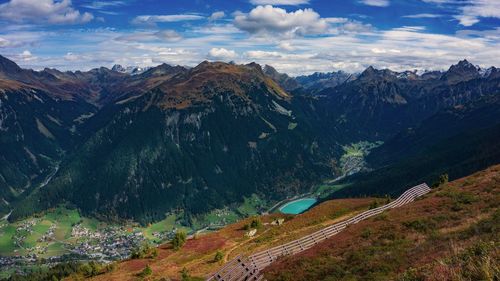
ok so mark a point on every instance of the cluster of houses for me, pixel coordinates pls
(164, 235)
(23, 230)
(49, 236)
(110, 244)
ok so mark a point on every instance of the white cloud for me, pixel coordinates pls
(470, 11)
(439, 1)
(71, 57)
(221, 54)
(279, 2)
(43, 11)
(168, 35)
(336, 20)
(26, 56)
(99, 5)
(21, 39)
(217, 15)
(4, 42)
(262, 54)
(422, 16)
(466, 20)
(152, 19)
(217, 29)
(376, 3)
(162, 35)
(407, 47)
(479, 8)
(287, 46)
(268, 19)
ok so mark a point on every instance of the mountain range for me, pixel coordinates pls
(125, 144)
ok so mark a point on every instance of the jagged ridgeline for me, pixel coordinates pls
(199, 141)
(121, 144)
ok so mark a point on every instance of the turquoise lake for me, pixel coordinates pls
(298, 206)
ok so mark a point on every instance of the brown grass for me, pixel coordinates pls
(197, 254)
(423, 233)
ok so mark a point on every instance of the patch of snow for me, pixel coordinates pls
(485, 72)
(6, 217)
(38, 98)
(281, 110)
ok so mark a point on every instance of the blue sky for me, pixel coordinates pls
(295, 36)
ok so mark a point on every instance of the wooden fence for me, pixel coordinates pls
(248, 268)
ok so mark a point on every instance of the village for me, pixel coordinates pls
(103, 245)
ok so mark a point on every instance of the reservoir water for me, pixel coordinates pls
(297, 206)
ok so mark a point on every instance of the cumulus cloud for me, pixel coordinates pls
(217, 15)
(339, 46)
(153, 19)
(26, 56)
(376, 3)
(221, 54)
(43, 11)
(268, 19)
(279, 2)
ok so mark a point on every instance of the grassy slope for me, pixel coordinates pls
(431, 235)
(61, 217)
(451, 234)
(198, 254)
(64, 219)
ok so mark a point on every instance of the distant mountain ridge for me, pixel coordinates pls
(316, 82)
(168, 138)
(174, 138)
(132, 70)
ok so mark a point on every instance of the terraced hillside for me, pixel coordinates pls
(451, 231)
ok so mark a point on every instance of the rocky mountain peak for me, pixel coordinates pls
(8, 66)
(462, 71)
(132, 70)
(464, 65)
(285, 81)
(163, 69)
(118, 68)
(369, 71)
(372, 73)
(270, 70)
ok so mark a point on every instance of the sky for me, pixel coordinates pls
(295, 36)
